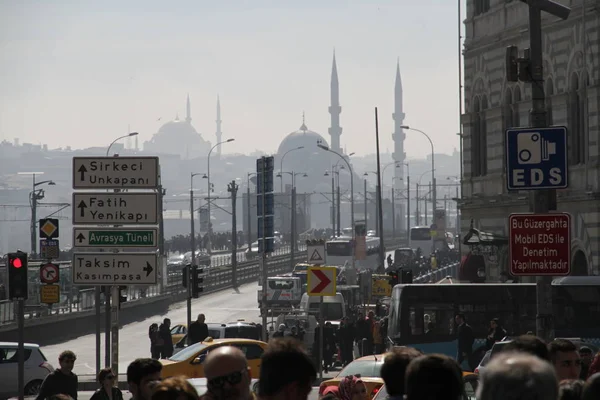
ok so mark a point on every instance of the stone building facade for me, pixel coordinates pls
(492, 105)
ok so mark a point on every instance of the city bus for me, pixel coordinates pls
(422, 315)
(339, 252)
(420, 238)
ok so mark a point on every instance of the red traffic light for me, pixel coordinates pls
(16, 263)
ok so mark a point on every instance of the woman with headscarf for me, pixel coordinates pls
(352, 388)
(280, 331)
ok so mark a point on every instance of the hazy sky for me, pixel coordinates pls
(79, 72)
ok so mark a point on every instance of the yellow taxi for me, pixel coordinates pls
(178, 332)
(189, 361)
(369, 369)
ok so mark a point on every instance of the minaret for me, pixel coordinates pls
(335, 131)
(398, 136)
(218, 134)
(188, 110)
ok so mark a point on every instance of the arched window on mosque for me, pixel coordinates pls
(479, 137)
(575, 118)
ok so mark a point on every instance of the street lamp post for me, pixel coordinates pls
(281, 164)
(209, 192)
(34, 196)
(293, 240)
(322, 146)
(407, 200)
(434, 191)
(119, 138)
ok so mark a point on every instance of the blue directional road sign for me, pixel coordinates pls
(536, 158)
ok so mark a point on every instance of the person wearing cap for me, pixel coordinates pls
(331, 393)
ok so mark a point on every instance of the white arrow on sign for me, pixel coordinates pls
(115, 172)
(115, 208)
(115, 269)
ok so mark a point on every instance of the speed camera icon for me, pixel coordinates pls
(533, 149)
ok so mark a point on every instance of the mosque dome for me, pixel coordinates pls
(302, 137)
(178, 137)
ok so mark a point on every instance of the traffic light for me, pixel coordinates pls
(407, 276)
(393, 281)
(17, 275)
(197, 281)
(185, 277)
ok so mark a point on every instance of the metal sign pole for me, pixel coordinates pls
(98, 328)
(20, 304)
(321, 344)
(115, 330)
(263, 256)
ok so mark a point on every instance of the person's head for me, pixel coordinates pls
(495, 323)
(527, 344)
(142, 375)
(565, 358)
(106, 378)
(371, 314)
(570, 389)
(201, 318)
(394, 368)
(286, 371)
(281, 328)
(434, 376)
(66, 360)
(333, 391)
(459, 318)
(586, 355)
(591, 389)
(174, 388)
(167, 322)
(517, 376)
(227, 374)
(352, 388)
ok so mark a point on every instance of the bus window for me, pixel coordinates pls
(339, 249)
(420, 234)
(281, 285)
(432, 319)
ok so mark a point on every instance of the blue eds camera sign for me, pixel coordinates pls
(536, 158)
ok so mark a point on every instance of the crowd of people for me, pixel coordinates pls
(525, 369)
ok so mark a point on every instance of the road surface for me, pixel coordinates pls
(225, 306)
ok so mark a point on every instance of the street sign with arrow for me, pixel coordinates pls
(115, 238)
(115, 208)
(96, 269)
(321, 281)
(115, 172)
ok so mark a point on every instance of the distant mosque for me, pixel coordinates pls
(180, 137)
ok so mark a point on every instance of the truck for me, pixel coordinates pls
(282, 291)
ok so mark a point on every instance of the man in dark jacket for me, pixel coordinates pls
(198, 331)
(165, 334)
(62, 380)
(466, 338)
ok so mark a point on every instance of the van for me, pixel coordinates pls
(334, 307)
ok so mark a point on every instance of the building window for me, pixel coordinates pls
(549, 94)
(483, 137)
(475, 138)
(481, 6)
(479, 137)
(575, 122)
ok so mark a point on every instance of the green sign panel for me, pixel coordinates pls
(114, 238)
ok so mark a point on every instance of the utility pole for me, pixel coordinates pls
(338, 209)
(379, 200)
(530, 69)
(333, 203)
(393, 214)
(366, 208)
(248, 217)
(418, 216)
(407, 206)
(293, 239)
(233, 189)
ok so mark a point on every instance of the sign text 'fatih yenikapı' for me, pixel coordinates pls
(115, 172)
(114, 268)
(115, 238)
(540, 244)
(115, 208)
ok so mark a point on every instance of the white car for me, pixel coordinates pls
(37, 368)
(200, 385)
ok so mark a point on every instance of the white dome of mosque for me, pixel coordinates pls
(302, 137)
